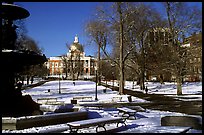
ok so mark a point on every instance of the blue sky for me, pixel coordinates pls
(53, 24)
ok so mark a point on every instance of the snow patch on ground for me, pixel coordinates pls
(146, 121)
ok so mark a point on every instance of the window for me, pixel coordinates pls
(86, 63)
(92, 64)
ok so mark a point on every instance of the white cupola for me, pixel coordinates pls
(76, 39)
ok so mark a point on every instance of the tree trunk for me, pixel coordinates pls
(66, 74)
(121, 87)
(161, 79)
(179, 87)
(133, 84)
(32, 79)
(99, 67)
(72, 67)
(28, 78)
(78, 75)
(142, 85)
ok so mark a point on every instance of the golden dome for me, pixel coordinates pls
(76, 45)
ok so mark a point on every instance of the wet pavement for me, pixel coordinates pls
(165, 103)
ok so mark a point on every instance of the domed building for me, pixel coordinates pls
(75, 65)
(76, 48)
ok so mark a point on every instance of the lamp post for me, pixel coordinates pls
(96, 86)
(59, 84)
(113, 65)
(113, 78)
(132, 81)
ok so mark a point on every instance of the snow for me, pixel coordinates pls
(147, 120)
(191, 90)
(68, 91)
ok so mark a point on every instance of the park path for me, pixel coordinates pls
(159, 101)
(165, 103)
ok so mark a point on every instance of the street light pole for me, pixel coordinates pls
(96, 86)
(132, 81)
(59, 84)
(112, 65)
(113, 78)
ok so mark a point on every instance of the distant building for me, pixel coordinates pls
(194, 46)
(74, 65)
(193, 43)
(159, 36)
(155, 37)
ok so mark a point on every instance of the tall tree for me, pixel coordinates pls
(121, 41)
(65, 65)
(27, 43)
(142, 18)
(98, 32)
(182, 20)
(127, 26)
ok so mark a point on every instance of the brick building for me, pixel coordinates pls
(193, 45)
(74, 64)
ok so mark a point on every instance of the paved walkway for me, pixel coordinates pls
(161, 102)
(165, 103)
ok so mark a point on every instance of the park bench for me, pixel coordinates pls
(99, 122)
(82, 98)
(46, 100)
(49, 101)
(127, 111)
(159, 129)
(55, 103)
(115, 99)
(99, 106)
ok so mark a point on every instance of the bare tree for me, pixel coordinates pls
(142, 19)
(27, 43)
(73, 62)
(65, 65)
(108, 21)
(182, 20)
(127, 27)
(97, 31)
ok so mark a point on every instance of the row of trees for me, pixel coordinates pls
(125, 27)
(72, 64)
(25, 42)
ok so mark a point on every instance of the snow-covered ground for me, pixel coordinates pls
(147, 121)
(65, 91)
(189, 89)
